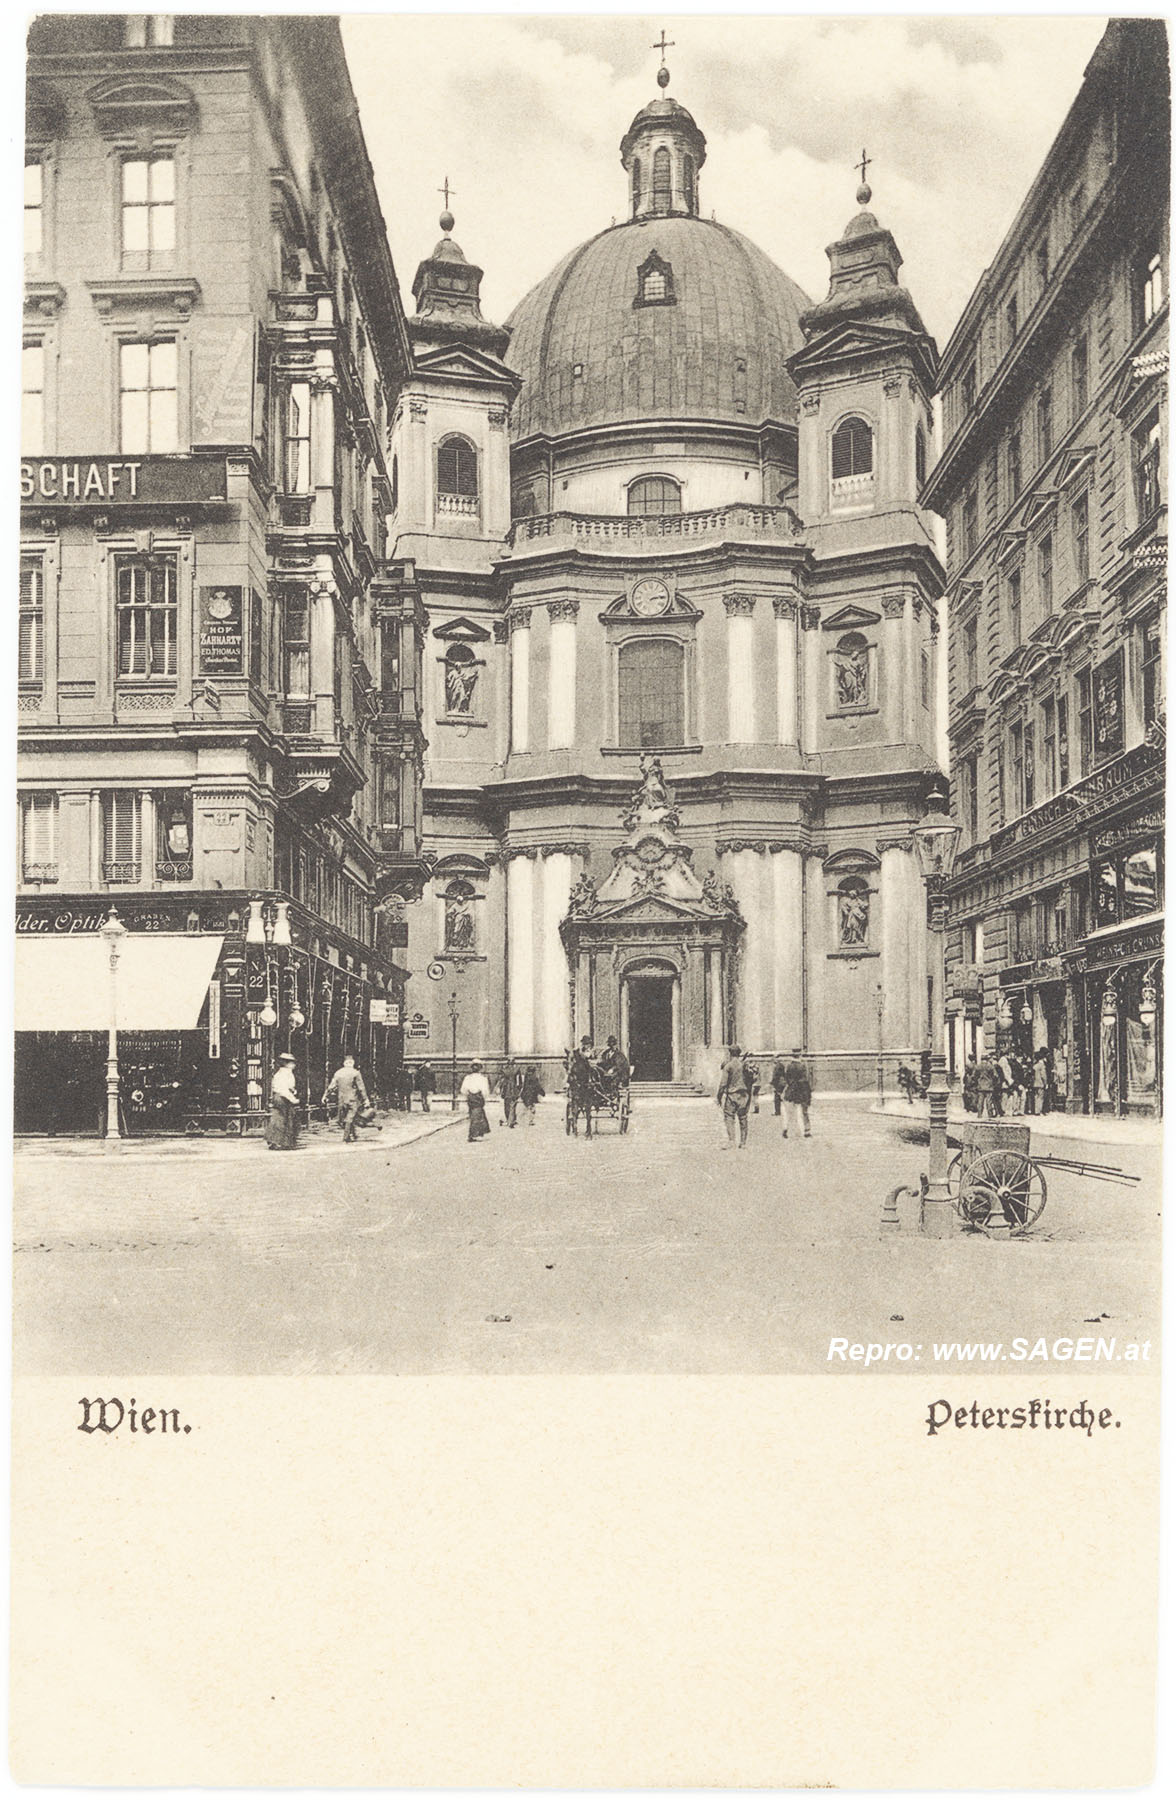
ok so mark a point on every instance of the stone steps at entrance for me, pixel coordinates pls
(665, 1090)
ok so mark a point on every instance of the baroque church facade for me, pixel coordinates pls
(679, 678)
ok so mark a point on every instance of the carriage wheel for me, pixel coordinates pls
(1004, 1187)
(955, 1178)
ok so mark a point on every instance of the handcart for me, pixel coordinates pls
(995, 1184)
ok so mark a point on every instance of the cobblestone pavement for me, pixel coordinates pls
(531, 1253)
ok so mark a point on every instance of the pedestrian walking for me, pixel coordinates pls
(350, 1096)
(734, 1096)
(1041, 1080)
(510, 1086)
(797, 1093)
(532, 1092)
(476, 1091)
(282, 1131)
(971, 1098)
(406, 1085)
(1011, 1077)
(777, 1085)
(426, 1082)
(753, 1075)
(987, 1076)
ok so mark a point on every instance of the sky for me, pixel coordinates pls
(524, 113)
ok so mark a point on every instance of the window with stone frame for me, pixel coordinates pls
(31, 632)
(296, 439)
(1014, 459)
(1063, 741)
(1079, 378)
(457, 476)
(147, 212)
(1014, 606)
(173, 835)
(1045, 573)
(32, 399)
(146, 611)
(852, 449)
(121, 836)
(655, 282)
(295, 621)
(1080, 535)
(149, 397)
(968, 677)
(1049, 747)
(654, 497)
(1149, 286)
(1045, 424)
(1152, 665)
(38, 837)
(1085, 724)
(651, 697)
(34, 208)
(1147, 455)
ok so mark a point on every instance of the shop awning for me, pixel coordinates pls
(63, 984)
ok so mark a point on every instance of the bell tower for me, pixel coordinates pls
(864, 379)
(662, 153)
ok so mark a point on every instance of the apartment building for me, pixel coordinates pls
(1053, 484)
(218, 731)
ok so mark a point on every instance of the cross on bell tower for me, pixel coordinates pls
(663, 44)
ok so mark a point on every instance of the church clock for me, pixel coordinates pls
(650, 598)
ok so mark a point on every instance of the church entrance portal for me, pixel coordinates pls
(651, 1026)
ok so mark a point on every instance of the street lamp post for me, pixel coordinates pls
(112, 933)
(454, 1015)
(937, 838)
(879, 998)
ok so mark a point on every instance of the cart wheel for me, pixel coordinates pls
(1005, 1184)
(955, 1178)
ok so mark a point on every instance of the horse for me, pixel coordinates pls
(582, 1097)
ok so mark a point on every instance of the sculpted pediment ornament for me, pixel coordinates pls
(850, 618)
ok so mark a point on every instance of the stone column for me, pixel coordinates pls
(501, 690)
(554, 996)
(894, 675)
(812, 686)
(786, 720)
(746, 870)
(520, 681)
(896, 898)
(520, 927)
(788, 946)
(561, 687)
(740, 609)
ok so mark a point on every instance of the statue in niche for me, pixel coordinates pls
(461, 679)
(851, 669)
(459, 917)
(853, 916)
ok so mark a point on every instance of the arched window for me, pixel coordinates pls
(461, 679)
(651, 694)
(851, 672)
(920, 456)
(655, 282)
(688, 182)
(853, 914)
(459, 916)
(654, 497)
(457, 475)
(636, 177)
(663, 192)
(853, 449)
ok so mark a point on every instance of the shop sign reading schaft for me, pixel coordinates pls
(141, 481)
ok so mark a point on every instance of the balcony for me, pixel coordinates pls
(128, 873)
(606, 531)
(38, 871)
(168, 869)
(850, 491)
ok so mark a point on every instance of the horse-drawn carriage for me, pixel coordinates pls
(594, 1094)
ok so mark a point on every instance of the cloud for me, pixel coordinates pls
(525, 115)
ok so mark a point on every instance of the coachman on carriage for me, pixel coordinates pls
(597, 1088)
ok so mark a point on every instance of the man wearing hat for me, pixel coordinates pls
(282, 1130)
(796, 1092)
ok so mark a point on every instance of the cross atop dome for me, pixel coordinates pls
(446, 219)
(663, 44)
(864, 193)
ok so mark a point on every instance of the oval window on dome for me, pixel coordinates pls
(654, 497)
(853, 449)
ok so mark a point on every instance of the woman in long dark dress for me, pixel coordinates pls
(282, 1131)
(476, 1091)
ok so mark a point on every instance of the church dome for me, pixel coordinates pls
(597, 344)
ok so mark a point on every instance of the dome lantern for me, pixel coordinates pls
(661, 153)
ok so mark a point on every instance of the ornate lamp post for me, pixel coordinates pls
(454, 1016)
(112, 933)
(937, 838)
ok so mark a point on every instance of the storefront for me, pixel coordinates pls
(1120, 965)
(206, 993)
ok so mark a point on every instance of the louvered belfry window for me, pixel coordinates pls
(663, 191)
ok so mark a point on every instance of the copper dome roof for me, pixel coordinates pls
(588, 356)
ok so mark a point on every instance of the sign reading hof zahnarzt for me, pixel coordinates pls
(221, 636)
(591, 806)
